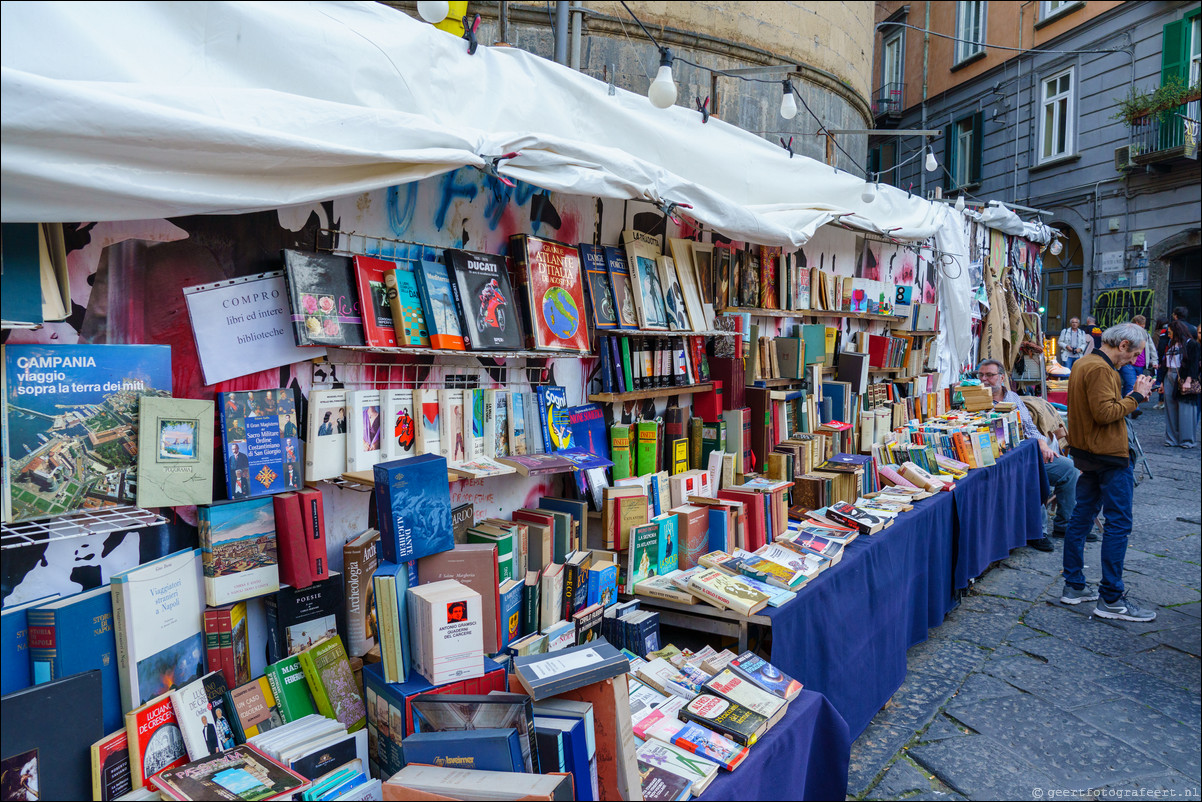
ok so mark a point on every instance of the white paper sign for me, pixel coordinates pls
(244, 325)
(1112, 261)
(569, 662)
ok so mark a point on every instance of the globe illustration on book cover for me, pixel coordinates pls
(560, 312)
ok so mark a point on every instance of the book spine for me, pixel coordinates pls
(706, 593)
(276, 650)
(128, 678)
(277, 690)
(316, 687)
(43, 651)
(460, 310)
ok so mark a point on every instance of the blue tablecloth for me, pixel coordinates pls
(998, 508)
(804, 756)
(847, 632)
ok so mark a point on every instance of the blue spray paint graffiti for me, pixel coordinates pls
(400, 213)
(461, 183)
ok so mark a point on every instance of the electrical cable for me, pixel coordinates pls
(1035, 50)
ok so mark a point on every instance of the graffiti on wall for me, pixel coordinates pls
(1120, 305)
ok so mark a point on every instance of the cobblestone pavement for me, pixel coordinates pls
(1017, 696)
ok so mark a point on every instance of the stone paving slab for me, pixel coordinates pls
(1168, 663)
(982, 686)
(1171, 699)
(1171, 785)
(1073, 752)
(943, 727)
(1192, 610)
(1071, 657)
(1084, 632)
(1152, 733)
(980, 767)
(1186, 639)
(954, 658)
(873, 750)
(1064, 689)
(918, 700)
(902, 778)
(1014, 583)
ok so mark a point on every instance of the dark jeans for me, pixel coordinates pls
(1062, 476)
(1109, 490)
(1129, 373)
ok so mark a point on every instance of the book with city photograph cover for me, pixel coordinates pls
(241, 559)
(485, 300)
(260, 441)
(71, 424)
(324, 299)
(240, 773)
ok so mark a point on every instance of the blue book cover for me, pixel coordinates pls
(575, 750)
(75, 634)
(21, 301)
(667, 541)
(589, 431)
(260, 441)
(603, 585)
(646, 634)
(413, 501)
(553, 418)
(511, 612)
(438, 303)
(719, 520)
(71, 432)
(15, 670)
(495, 749)
(405, 579)
(837, 393)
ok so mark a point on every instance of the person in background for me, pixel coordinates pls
(1182, 314)
(1094, 331)
(1146, 358)
(1097, 436)
(1160, 334)
(1179, 376)
(1073, 343)
(1061, 473)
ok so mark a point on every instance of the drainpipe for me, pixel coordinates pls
(503, 22)
(561, 32)
(926, 53)
(577, 12)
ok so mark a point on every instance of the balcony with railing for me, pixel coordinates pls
(1167, 136)
(888, 101)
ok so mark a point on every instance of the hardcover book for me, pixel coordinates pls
(399, 438)
(460, 712)
(241, 773)
(325, 435)
(175, 462)
(553, 300)
(602, 312)
(642, 250)
(370, 272)
(492, 749)
(253, 709)
(438, 302)
(623, 289)
(413, 501)
(226, 643)
(110, 767)
(726, 718)
(296, 619)
(158, 613)
(475, 566)
(407, 313)
(359, 561)
(286, 679)
(71, 424)
(480, 283)
(324, 299)
(15, 672)
(260, 442)
(155, 741)
(328, 674)
(47, 734)
(201, 715)
(238, 541)
(75, 634)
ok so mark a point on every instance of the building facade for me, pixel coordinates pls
(826, 45)
(1038, 104)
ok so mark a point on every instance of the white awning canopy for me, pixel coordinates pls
(118, 111)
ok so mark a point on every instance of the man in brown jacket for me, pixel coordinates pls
(1097, 436)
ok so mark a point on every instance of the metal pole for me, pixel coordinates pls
(926, 52)
(503, 21)
(561, 31)
(577, 18)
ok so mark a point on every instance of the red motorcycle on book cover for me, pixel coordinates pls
(492, 308)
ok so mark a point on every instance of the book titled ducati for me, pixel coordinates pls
(485, 301)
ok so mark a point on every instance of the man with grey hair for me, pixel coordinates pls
(1062, 475)
(1097, 436)
(1074, 342)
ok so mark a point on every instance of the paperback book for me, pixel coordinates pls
(370, 272)
(325, 436)
(438, 301)
(260, 442)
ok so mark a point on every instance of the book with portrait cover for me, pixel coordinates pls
(260, 442)
(202, 717)
(485, 300)
(70, 434)
(175, 462)
(324, 299)
(438, 302)
(325, 435)
(47, 734)
(158, 611)
(238, 540)
(366, 428)
(552, 287)
(378, 329)
(602, 312)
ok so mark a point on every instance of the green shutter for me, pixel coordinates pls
(874, 160)
(1174, 60)
(978, 141)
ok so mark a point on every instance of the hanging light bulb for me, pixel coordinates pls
(662, 92)
(930, 162)
(788, 104)
(1057, 247)
(433, 11)
(960, 202)
(869, 193)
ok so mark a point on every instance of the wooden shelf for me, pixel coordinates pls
(916, 333)
(647, 333)
(885, 370)
(762, 383)
(654, 392)
(807, 313)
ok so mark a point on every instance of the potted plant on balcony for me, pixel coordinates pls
(1137, 107)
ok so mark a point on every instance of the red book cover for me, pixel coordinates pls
(152, 723)
(554, 292)
(708, 405)
(378, 329)
(313, 520)
(212, 625)
(753, 508)
(290, 538)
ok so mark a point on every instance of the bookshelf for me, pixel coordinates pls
(654, 392)
(806, 313)
(915, 333)
(885, 370)
(760, 384)
(84, 523)
(444, 352)
(664, 333)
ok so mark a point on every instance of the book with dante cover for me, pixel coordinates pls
(378, 329)
(241, 560)
(485, 300)
(408, 316)
(175, 461)
(324, 299)
(328, 673)
(623, 289)
(253, 709)
(553, 293)
(438, 301)
(602, 312)
(241, 773)
(110, 767)
(260, 440)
